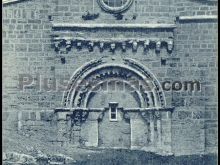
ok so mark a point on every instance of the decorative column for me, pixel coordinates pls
(159, 130)
(151, 117)
(158, 123)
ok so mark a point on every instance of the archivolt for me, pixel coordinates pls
(86, 79)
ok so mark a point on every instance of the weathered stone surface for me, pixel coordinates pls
(29, 26)
(89, 133)
(140, 133)
(114, 134)
(189, 137)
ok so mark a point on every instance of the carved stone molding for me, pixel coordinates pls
(127, 71)
(81, 114)
(77, 117)
(66, 36)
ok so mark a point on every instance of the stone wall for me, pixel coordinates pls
(197, 51)
(145, 11)
(196, 46)
(195, 7)
(27, 49)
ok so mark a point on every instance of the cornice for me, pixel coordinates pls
(198, 17)
(121, 26)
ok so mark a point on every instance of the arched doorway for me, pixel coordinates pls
(122, 101)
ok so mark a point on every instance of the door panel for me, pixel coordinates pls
(114, 134)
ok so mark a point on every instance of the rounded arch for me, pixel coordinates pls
(132, 73)
(126, 88)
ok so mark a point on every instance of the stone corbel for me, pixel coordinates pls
(158, 46)
(68, 45)
(134, 46)
(57, 46)
(170, 45)
(101, 46)
(112, 47)
(123, 46)
(146, 45)
(79, 45)
(63, 45)
(90, 46)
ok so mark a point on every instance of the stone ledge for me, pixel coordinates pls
(109, 40)
(198, 17)
(125, 109)
(124, 26)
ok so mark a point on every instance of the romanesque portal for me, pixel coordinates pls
(115, 104)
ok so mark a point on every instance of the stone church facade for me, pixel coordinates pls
(92, 73)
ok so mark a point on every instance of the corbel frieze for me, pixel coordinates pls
(132, 36)
(65, 44)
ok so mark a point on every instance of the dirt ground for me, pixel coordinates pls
(13, 142)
